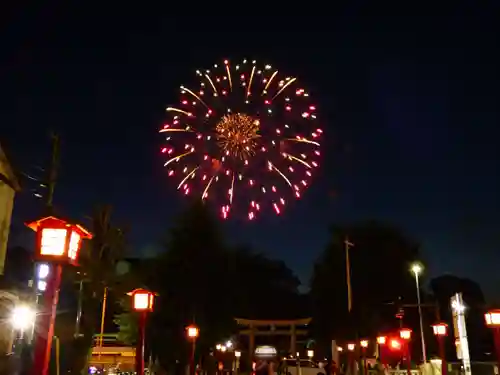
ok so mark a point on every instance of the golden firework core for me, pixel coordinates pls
(237, 134)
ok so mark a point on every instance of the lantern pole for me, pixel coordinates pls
(139, 351)
(46, 320)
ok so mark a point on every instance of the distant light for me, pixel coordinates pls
(43, 271)
(41, 285)
(22, 317)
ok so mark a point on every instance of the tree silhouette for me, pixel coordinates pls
(379, 261)
(98, 259)
(200, 280)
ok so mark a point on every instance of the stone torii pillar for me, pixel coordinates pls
(293, 340)
(251, 340)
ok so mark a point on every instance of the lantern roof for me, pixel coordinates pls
(141, 290)
(52, 220)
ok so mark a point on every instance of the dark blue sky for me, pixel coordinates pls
(409, 102)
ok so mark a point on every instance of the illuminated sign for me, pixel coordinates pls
(266, 351)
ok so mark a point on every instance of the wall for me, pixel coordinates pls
(6, 206)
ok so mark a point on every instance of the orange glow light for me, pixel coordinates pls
(142, 300)
(58, 240)
(192, 332)
(53, 241)
(405, 333)
(395, 344)
(364, 343)
(440, 329)
(492, 318)
(381, 340)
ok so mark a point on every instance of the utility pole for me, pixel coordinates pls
(52, 172)
(348, 245)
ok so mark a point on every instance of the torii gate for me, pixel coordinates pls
(289, 328)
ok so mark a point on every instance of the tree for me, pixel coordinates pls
(98, 259)
(379, 264)
(263, 286)
(199, 280)
(193, 285)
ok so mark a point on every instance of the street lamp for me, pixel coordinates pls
(492, 319)
(381, 341)
(405, 334)
(192, 333)
(58, 242)
(142, 302)
(22, 317)
(364, 345)
(310, 354)
(417, 269)
(237, 356)
(440, 331)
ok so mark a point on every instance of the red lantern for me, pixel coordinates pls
(142, 300)
(440, 329)
(192, 331)
(58, 241)
(492, 318)
(405, 333)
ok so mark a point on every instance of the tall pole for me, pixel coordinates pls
(79, 309)
(408, 356)
(424, 354)
(52, 175)
(103, 319)
(496, 337)
(45, 323)
(46, 320)
(193, 351)
(348, 245)
(139, 351)
(442, 354)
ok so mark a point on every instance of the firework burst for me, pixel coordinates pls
(245, 138)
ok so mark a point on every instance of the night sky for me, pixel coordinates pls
(408, 101)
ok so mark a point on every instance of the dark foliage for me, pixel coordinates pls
(380, 260)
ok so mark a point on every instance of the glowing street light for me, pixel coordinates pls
(492, 319)
(417, 269)
(440, 331)
(58, 242)
(142, 302)
(22, 317)
(310, 354)
(192, 333)
(351, 347)
(364, 345)
(381, 341)
(405, 334)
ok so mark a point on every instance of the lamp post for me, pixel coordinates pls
(381, 341)
(58, 242)
(142, 302)
(310, 354)
(350, 358)
(192, 333)
(237, 356)
(440, 331)
(405, 334)
(364, 345)
(492, 319)
(22, 318)
(417, 270)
